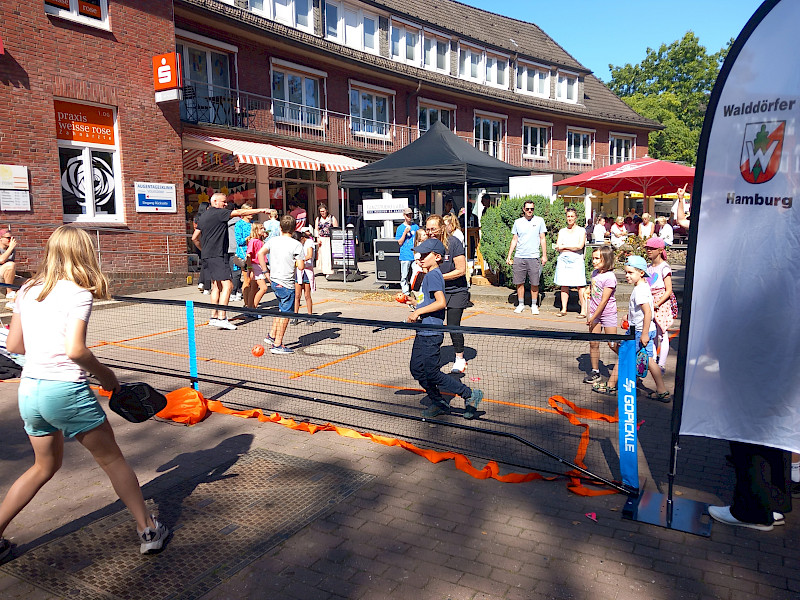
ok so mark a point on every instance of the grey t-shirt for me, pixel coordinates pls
(284, 252)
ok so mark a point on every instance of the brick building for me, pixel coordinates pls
(277, 96)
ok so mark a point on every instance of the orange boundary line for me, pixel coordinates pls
(349, 356)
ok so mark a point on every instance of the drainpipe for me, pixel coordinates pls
(408, 103)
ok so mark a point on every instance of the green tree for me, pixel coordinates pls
(672, 86)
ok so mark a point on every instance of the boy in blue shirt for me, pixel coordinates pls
(405, 239)
(427, 344)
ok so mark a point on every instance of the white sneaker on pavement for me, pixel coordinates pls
(519, 309)
(459, 366)
(534, 310)
(225, 324)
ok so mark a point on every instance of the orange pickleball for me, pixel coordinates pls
(257, 350)
(401, 297)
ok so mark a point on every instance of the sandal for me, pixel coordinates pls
(580, 316)
(661, 397)
(604, 388)
(561, 313)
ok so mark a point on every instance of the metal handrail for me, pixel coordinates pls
(256, 112)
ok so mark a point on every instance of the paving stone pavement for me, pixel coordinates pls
(427, 531)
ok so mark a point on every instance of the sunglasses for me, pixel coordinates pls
(526, 209)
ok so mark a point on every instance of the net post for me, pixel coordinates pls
(626, 400)
(192, 343)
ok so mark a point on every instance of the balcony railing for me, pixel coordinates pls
(243, 110)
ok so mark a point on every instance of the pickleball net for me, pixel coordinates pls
(536, 413)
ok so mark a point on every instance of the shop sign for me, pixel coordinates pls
(83, 123)
(14, 188)
(90, 8)
(166, 72)
(384, 209)
(155, 197)
(58, 3)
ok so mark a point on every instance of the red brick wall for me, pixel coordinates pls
(46, 57)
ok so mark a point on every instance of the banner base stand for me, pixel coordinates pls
(338, 275)
(688, 516)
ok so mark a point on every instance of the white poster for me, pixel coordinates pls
(742, 376)
(155, 197)
(384, 209)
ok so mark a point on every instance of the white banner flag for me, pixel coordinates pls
(742, 375)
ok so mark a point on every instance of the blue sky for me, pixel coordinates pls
(599, 32)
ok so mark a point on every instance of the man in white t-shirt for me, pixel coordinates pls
(285, 255)
(599, 232)
(528, 238)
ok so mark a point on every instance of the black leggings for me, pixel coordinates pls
(454, 318)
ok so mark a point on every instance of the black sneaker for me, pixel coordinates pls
(152, 539)
(436, 408)
(592, 377)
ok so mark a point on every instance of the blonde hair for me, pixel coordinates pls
(255, 231)
(444, 236)
(661, 220)
(620, 220)
(246, 205)
(273, 214)
(645, 216)
(452, 221)
(69, 254)
(418, 236)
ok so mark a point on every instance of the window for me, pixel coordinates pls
(488, 134)
(294, 13)
(369, 112)
(437, 53)
(89, 12)
(579, 145)
(207, 73)
(567, 88)
(535, 140)
(533, 80)
(351, 27)
(404, 43)
(620, 148)
(429, 114)
(496, 70)
(471, 64)
(88, 162)
(296, 98)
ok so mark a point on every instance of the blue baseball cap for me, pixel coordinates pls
(637, 262)
(431, 245)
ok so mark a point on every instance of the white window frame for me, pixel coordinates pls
(268, 11)
(72, 14)
(496, 56)
(427, 103)
(544, 153)
(90, 216)
(621, 137)
(341, 31)
(374, 91)
(405, 28)
(436, 38)
(289, 68)
(490, 116)
(468, 51)
(570, 151)
(562, 85)
(538, 71)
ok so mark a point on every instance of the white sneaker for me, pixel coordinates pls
(213, 322)
(152, 540)
(519, 309)
(200, 286)
(459, 366)
(206, 292)
(11, 294)
(534, 310)
(225, 324)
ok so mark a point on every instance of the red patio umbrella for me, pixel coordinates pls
(649, 176)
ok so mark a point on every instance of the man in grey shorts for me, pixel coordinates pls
(528, 238)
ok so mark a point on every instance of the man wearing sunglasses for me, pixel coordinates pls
(8, 269)
(528, 239)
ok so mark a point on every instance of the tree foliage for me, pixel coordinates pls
(671, 85)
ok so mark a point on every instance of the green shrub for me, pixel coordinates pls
(496, 225)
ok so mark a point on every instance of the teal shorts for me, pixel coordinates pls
(49, 406)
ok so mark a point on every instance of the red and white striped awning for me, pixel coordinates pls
(256, 153)
(253, 153)
(331, 162)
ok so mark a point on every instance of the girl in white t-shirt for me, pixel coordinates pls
(640, 318)
(304, 280)
(49, 328)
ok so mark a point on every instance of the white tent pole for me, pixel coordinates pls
(344, 246)
(466, 229)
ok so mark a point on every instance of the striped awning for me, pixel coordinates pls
(331, 162)
(253, 153)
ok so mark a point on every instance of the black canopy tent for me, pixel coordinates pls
(439, 159)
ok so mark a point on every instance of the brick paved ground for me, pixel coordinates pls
(429, 531)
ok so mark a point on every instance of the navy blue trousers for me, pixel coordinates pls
(425, 369)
